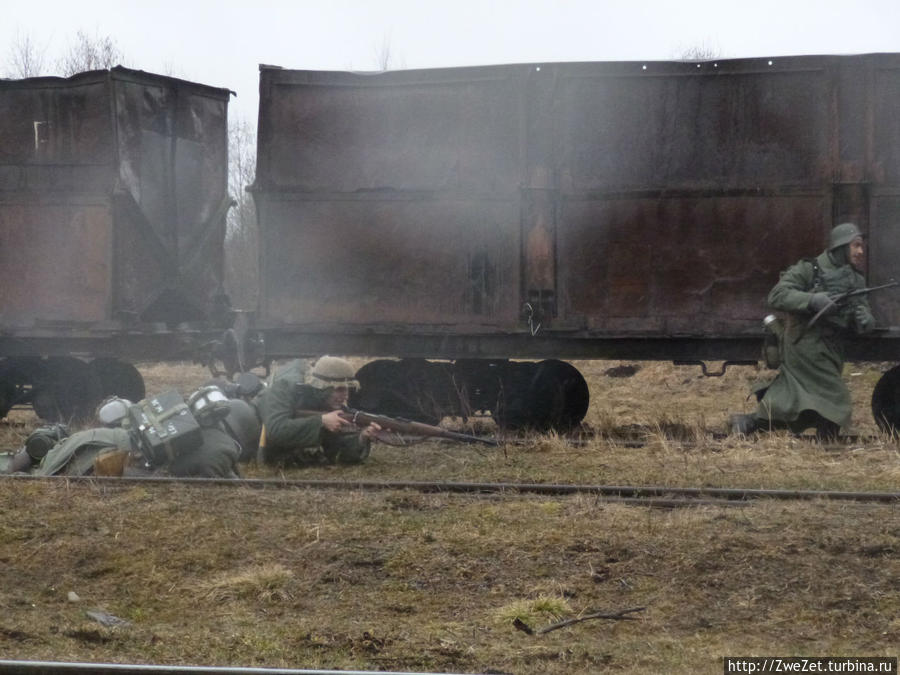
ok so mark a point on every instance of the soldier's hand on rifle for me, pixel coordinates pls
(863, 318)
(334, 422)
(819, 301)
(370, 432)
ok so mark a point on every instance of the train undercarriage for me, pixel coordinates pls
(541, 395)
(63, 388)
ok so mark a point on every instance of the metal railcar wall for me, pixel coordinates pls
(113, 194)
(633, 210)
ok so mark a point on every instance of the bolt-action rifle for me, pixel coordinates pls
(836, 301)
(401, 426)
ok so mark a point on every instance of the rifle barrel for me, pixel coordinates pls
(840, 298)
(415, 428)
(864, 291)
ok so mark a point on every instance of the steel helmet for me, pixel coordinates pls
(843, 234)
(331, 371)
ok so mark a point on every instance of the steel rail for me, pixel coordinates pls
(52, 667)
(632, 492)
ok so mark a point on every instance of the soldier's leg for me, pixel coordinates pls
(216, 457)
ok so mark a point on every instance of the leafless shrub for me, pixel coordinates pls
(89, 52)
(701, 52)
(25, 57)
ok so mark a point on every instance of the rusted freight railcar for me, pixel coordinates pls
(112, 214)
(566, 210)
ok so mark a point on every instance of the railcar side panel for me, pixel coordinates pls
(345, 133)
(636, 201)
(385, 263)
(56, 155)
(390, 203)
(602, 202)
(51, 255)
(883, 194)
(172, 200)
(674, 130)
(679, 265)
(112, 203)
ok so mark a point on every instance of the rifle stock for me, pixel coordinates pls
(401, 426)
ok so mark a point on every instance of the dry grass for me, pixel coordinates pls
(262, 583)
(406, 581)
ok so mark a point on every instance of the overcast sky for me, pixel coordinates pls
(222, 42)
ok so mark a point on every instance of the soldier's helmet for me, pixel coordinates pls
(843, 234)
(331, 371)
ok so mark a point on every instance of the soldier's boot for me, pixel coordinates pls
(743, 425)
(827, 431)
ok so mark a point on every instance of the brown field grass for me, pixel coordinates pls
(399, 580)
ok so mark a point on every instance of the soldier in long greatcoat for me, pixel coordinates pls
(809, 390)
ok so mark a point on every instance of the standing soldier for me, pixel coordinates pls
(809, 390)
(292, 438)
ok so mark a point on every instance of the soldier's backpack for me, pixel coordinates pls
(165, 427)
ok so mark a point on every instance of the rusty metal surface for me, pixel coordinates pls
(112, 200)
(610, 200)
(55, 158)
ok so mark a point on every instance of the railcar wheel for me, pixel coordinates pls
(7, 395)
(544, 396)
(12, 383)
(514, 408)
(17, 378)
(886, 401)
(118, 378)
(69, 390)
(559, 395)
(412, 389)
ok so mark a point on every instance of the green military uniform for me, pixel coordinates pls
(809, 379)
(216, 457)
(75, 455)
(293, 439)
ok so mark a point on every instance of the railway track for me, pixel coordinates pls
(54, 667)
(652, 495)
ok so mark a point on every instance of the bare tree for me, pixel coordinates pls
(241, 238)
(89, 53)
(385, 57)
(26, 58)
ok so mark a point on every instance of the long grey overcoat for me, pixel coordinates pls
(810, 376)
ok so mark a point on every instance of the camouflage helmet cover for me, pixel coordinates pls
(843, 234)
(331, 371)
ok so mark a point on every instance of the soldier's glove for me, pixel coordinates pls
(818, 302)
(863, 319)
